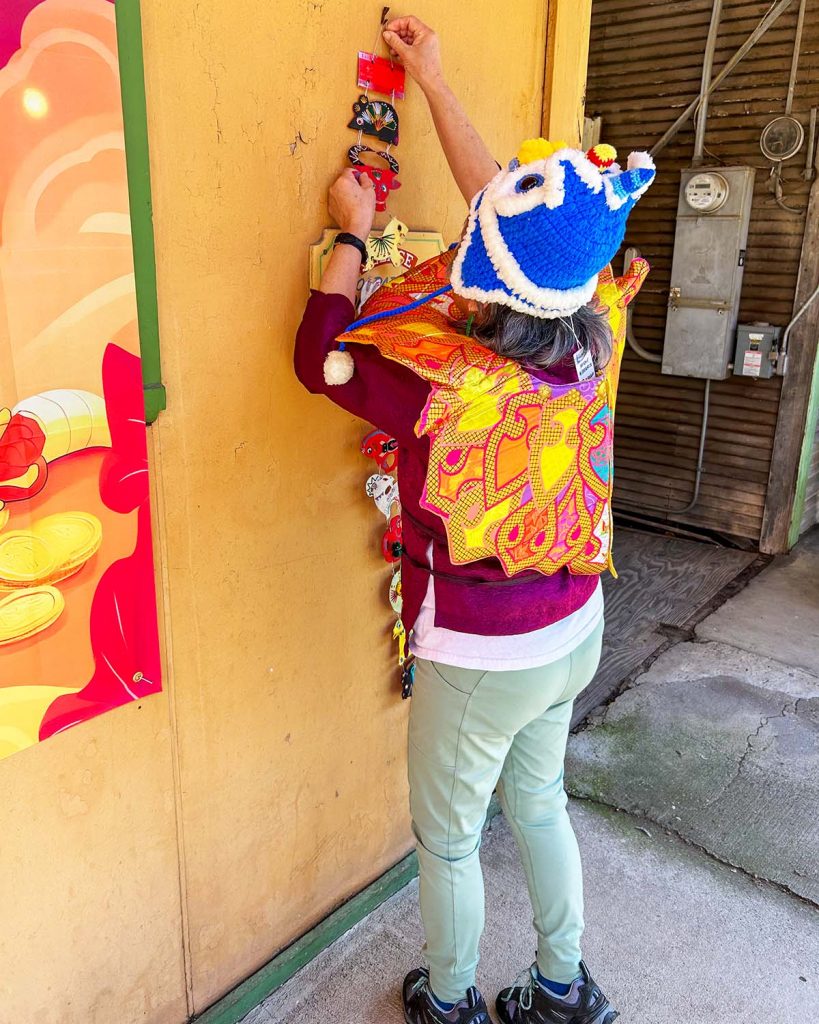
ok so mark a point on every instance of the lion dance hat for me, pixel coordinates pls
(540, 232)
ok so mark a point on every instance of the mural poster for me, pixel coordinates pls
(78, 626)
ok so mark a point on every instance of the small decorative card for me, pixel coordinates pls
(377, 118)
(381, 75)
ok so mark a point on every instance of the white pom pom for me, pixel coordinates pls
(640, 159)
(338, 367)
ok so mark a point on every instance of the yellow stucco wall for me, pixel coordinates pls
(89, 880)
(188, 838)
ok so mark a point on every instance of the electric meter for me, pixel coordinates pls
(706, 192)
(782, 138)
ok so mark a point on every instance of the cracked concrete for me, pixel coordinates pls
(721, 744)
(723, 748)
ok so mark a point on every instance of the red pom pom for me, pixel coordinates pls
(602, 155)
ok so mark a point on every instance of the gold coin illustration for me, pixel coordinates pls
(24, 559)
(29, 611)
(72, 537)
(53, 549)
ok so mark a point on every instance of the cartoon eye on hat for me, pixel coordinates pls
(528, 182)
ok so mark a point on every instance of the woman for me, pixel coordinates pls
(500, 395)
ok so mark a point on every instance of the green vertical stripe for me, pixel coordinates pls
(132, 77)
(806, 457)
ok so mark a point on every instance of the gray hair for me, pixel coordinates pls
(540, 343)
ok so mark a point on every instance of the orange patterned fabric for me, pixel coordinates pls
(520, 469)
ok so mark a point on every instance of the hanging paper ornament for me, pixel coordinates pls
(355, 151)
(400, 634)
(383, 178)
(384, 492)
(377, 118)
(396, 598)
(385, 182)
(381, 75)
(391, 541)
(387, 248)
(378, 445)
(408, 679)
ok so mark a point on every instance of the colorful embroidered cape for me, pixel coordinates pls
(519, 469)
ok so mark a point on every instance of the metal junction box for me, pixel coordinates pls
(757, 350)
(713, 213)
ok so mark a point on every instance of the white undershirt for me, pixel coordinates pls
(499, 653)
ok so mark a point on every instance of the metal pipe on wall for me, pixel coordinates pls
(776, 171)
(695, 497)
(707, 66)
(797, 46)
(773, 14)
(652, 357)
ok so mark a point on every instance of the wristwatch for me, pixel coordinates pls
(345, 238)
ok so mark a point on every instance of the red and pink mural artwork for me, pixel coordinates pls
(78, 617)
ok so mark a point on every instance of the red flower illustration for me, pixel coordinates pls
(21, 451)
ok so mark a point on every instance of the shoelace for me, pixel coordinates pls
(422, 985)
(527, 989)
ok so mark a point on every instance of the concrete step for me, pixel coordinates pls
(722, 747)
(719, 741)
(777, 614)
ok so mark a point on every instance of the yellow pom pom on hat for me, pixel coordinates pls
(538, 149)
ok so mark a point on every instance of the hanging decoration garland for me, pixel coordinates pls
(378, 119)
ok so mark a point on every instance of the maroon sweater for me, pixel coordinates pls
(474, 598)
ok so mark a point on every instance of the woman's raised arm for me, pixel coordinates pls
(471, 163)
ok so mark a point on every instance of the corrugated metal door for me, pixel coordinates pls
(644, 68)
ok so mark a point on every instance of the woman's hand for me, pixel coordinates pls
(471, 163)
(352, 202)
(418, 48)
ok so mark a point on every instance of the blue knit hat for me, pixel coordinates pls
(540, 232)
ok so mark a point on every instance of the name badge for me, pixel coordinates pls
(584, 364)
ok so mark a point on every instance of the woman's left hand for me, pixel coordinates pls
(352, 202)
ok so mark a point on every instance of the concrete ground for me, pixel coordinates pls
(696, 803)
(672, 935)
(777, 614)
(719, 739)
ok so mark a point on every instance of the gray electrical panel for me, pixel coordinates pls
(713, 213)
(757, 350)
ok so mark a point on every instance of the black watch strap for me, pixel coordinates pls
(345, 238)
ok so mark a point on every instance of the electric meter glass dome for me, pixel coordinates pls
(782, 138)
(706, 192)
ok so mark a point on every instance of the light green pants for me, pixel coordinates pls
(469, 732)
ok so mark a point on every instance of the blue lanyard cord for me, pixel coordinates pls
(398, 309)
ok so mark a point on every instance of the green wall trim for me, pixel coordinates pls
(134, 112)
(806, 457)
(246, 996)
(232, 1007)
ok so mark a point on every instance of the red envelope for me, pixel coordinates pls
(381, 75)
